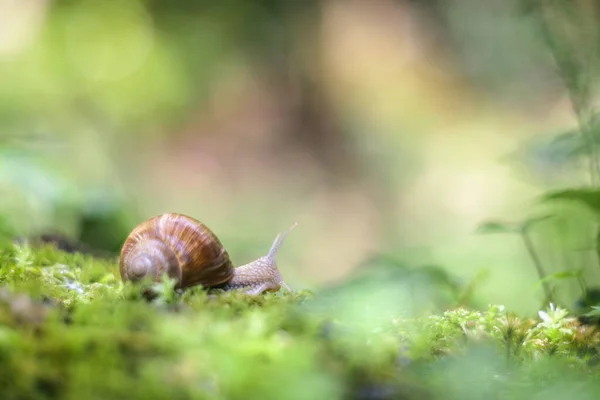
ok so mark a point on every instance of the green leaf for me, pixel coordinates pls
(497, 227)
(561, 275)
(587, 197)
(505, 227)
(595, 312)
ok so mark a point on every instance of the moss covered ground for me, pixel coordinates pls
(70, 329)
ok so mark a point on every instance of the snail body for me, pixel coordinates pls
(189, 252)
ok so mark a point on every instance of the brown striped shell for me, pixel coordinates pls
(179, 245)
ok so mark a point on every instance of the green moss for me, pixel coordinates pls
(69, 328)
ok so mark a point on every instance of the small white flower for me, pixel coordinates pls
(544, 316)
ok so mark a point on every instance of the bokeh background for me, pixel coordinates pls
(381, 126)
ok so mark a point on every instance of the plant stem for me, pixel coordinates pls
(597, 245)
(538, 265)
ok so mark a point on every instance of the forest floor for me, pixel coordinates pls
(69, 328)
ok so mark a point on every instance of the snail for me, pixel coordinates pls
(189, 252)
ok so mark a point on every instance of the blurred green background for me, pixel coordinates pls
(382, 126)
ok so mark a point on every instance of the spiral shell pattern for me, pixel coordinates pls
(179, 245)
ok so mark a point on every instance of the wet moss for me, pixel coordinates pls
(69, 328)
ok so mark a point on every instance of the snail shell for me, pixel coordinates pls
(179, 245)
